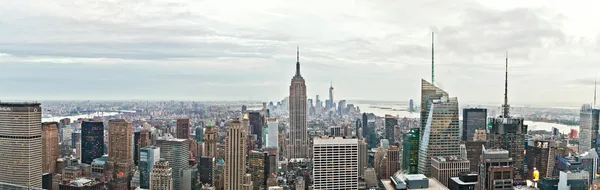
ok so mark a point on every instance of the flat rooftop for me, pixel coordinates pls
(335, 140)
(433, 185)
(19, 104)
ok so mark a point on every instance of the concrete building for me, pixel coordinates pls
(442, 168)
(362, 157)
(298, 143)
(401, 181)
(21, 144)
(148, 158)
(393, 161)
(92, 140)
(496, 170)
(161, 176)
(335, 131)
(176, 152)
(464, 181)
(120, 148)
(50, 147)
(82, 184)
(335, 163)
(441, 136)
(183, 128)
(273, 133)
(211, 138)
(235, 157)
(541, 157)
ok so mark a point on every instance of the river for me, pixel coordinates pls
(75, 117)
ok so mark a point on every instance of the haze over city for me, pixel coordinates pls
(370, 50)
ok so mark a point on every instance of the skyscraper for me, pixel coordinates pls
(211, 137)
(176, 152)
(21, 144)
(206, 169)
(509, 133)
(390, 125)
(362, 157)
(541, 157)
(442, 168)
(149, 156)
(50, 147)
(235, 158)
(120, 148)
(496, 171)
(256, 126)
(331, 97)
(441, 136)
(183, 128)
(473, 119)
(92, 140)
(335, 163)
(199, 134)
(393, 161)
(273, 133)
(256, 167)
(162, 176)
(410, 151)
(298, 144)
(429, 92)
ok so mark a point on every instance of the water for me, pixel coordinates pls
(566, 129)
(75, 117)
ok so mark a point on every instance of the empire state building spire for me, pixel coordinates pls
(298, 61)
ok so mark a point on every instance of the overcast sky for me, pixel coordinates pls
(246, 50)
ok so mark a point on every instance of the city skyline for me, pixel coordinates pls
(194, 52)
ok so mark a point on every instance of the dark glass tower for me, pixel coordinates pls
(473, 119)
(256, 126)
(390, 124)
(92, 140)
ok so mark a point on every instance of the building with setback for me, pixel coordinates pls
(21, 144)
(92, 140)
(441, 136)
(120, 151)
(235, 155)
(176, 152)
(211, 138)
(335, 163)
(443, 168)
(161, 176)
(496, 170)
(298, 134)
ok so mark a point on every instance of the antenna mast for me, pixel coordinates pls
(432, 65)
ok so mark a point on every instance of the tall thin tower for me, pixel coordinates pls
(432, 65)
(298, 136)
(594, 105)
(505, 106)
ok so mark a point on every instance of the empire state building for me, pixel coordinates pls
(298, 136)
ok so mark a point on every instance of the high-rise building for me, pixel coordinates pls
(442, 168)
(256, 126)
(595, 129)
(149, 156)
(540, 157)
(136, 146)
(183, 128)
(92, 140)
(298, 144)
(509, 133)
(496, 170)
(199, 134)
(331, 97)
(235, 158)
(21, 144)
(473, 119)
(211, 138)
(390, 125)
(161, 176)
(206, 169)
(145, 138)
(273, 133)
(335, 131)
(362, 157)
(441, 136)
(120, 148)
(474, 149)
(176, 152)
(411, 105)
(429, 92)
(335, 163)
(50, 147)
(393, 161)
(256, 167)
(410, 151)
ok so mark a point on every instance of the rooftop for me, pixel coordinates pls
(460, 182)
(433, 184)
(335, 140)
(19, 104)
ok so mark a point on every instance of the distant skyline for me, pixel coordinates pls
(246, 50)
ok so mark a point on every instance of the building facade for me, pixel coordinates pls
(92, 140)
(298, 134)
(148, 158)
(161, 176)
(235, 155)
(176, 152)
(50, 147)
(473, 119)
(211, 138)
(410, 151)
(120, 148)
(442, 168)
(21, 144)
(183, 128)
(495, 170)
(335, 163)
(390, 125)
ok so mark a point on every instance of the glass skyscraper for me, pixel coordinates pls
(92, 140)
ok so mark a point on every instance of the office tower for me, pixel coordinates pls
(136, 146)
(335, 131)
(256, 126)
(92, 140)
(199, 134)
(183, 128)
(211, 139)
(585, 128)
(365, 128)
(335, 163)
(145, 138)
(271, 163)
(410, 151)
(393, 161)
(540, 157)
(189, 178)
(429, 92)
(496, 170)
(273, 133)
(330, 97)
(362, 157)
(342, 107)
(441, 136)
(474, 149)
(149, 156)
(75, 140)
(244, 109)
(49, 146)
(120, 148)
(176, 152)
(21, 144)
(463, 181)
(247, 183)
(509, 133)
(473, 119)
(235, 158)
(411, 105)
(206, 169)
(595, 139)
(298, 145)
(390, 125)
(442, 168)
(256, 167)
(161, 176)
